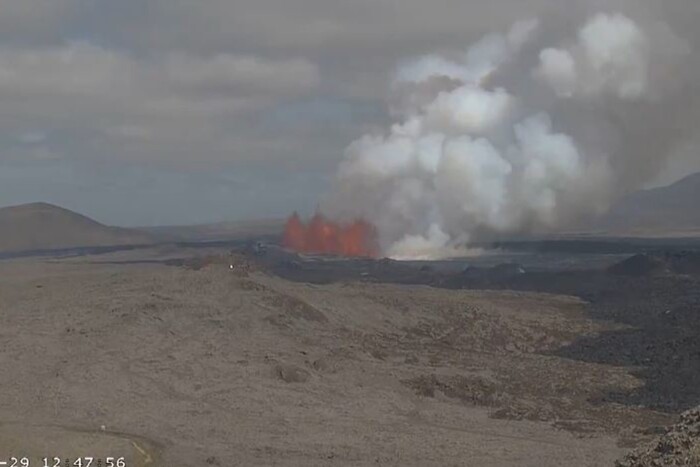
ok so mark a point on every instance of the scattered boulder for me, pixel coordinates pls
(680, 446)
(291, 373)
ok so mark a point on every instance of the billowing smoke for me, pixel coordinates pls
(515, 135)
(611, 56)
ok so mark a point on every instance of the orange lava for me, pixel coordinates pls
(322, 236)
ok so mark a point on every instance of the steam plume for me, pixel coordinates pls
(512, 137)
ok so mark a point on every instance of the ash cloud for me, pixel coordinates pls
(526, 130)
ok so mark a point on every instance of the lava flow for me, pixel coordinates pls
(322, 236)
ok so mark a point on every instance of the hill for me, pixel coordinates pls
(42, 226)
(669, 210)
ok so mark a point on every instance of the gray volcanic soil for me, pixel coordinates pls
(188, 362)
(226, 367)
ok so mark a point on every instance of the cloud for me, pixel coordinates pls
(119, 99)
(225, 73)
(82, 70)
(470, 156)
(212, 84)
(37, 21)
(612, 55)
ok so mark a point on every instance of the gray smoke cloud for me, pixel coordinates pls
(611, 56)
(525, 130)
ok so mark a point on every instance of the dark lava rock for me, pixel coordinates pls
(508, 269)
(641, 265)
(680, 446)
(504, 270)
(383, 263)
(292, 265)
(685, 262)
(656, 264)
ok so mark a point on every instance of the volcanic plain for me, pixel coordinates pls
(182, 356)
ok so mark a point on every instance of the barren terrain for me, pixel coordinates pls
(195, 363)
(45, 227)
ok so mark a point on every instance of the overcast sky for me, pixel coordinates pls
(146, 112)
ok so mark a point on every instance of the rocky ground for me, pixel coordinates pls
(679, 446)
(217, 361)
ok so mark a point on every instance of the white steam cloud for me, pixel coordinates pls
(508, 137)
(611, 56)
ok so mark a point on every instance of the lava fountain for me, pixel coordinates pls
(321, 236)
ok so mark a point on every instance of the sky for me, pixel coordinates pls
(165, 112)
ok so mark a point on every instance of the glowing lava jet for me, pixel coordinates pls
(321, 236)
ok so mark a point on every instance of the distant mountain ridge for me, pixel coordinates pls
(665, 211)
(43, 226)
(670, 209)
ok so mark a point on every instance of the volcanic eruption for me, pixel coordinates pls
(321, 236)
(527, 130)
